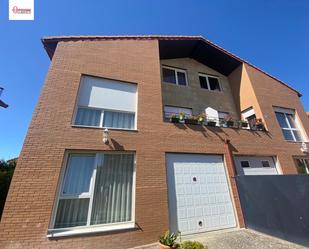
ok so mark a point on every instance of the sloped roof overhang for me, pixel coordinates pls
(196, 47)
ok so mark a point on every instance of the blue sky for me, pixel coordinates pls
(273, 35)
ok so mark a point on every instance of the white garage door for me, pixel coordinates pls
(253, 165)
(199, 196)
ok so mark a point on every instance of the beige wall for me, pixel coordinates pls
(243, 92)
(193, 96)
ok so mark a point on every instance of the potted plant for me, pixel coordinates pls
(229, 121)
(191, 120)
(259, 124)
(168, 240)
(222, 123)
(243, 124)
(201, 118)
(182, 117)
(174, 118)
(211, 123)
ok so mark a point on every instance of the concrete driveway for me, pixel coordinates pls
(237, 239)
(242, 239)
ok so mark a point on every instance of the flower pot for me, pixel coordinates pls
(191, 121)
(223, 123)
(161, 246)
(244, 125)
(260, 127)
(212, 123)
(175, 120)
(230, 123)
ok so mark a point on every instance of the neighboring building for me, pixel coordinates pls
(2, 104)
(308, 114)
(72, 190)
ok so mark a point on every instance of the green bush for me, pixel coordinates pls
(168, 238)
(6, 173)
(192, 245)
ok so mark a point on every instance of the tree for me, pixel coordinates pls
(6, 174)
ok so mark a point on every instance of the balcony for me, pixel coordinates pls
(205, 120)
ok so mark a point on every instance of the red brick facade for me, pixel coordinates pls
(30, 201)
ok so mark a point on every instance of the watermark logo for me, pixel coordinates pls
(21, 9)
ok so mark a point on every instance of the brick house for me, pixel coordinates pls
(71, 189)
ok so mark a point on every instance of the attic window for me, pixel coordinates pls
(209, 82)
(174, 76)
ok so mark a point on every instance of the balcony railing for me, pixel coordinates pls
(213, 122)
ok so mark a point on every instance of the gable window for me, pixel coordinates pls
(174, 76)
(173, 110)
(287, 121)
(209, 82)
(106, 103)
(97, 189)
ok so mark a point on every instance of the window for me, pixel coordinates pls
(209, 82)
(171, 110)
(249, 115)
(302, 166)
(106, 103)
(245, 164)
(174, 76)
(223, 116)
(97, 189)
(265, 164)
(287, 122)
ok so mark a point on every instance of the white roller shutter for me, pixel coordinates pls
(107, 94)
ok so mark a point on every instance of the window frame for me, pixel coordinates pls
(286, 112)
(243, 161)
(265, 161)
(303, 160)
(69, 231)
(176, 76)
(208, 84)
(101, 126)
(177, 114)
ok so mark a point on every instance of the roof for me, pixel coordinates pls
(190, 46)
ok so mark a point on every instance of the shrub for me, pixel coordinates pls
(192, 245)
(168, 238)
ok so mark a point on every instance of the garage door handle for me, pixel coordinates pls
(200, 223)
(194, 179)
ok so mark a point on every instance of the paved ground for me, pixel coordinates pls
(238, 239)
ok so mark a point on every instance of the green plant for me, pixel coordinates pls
(168, 238)
(243, 123)
(192, 245)
(201, 118)
(6, 174)
(191, 120)
(182, 116)
(174, 118)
